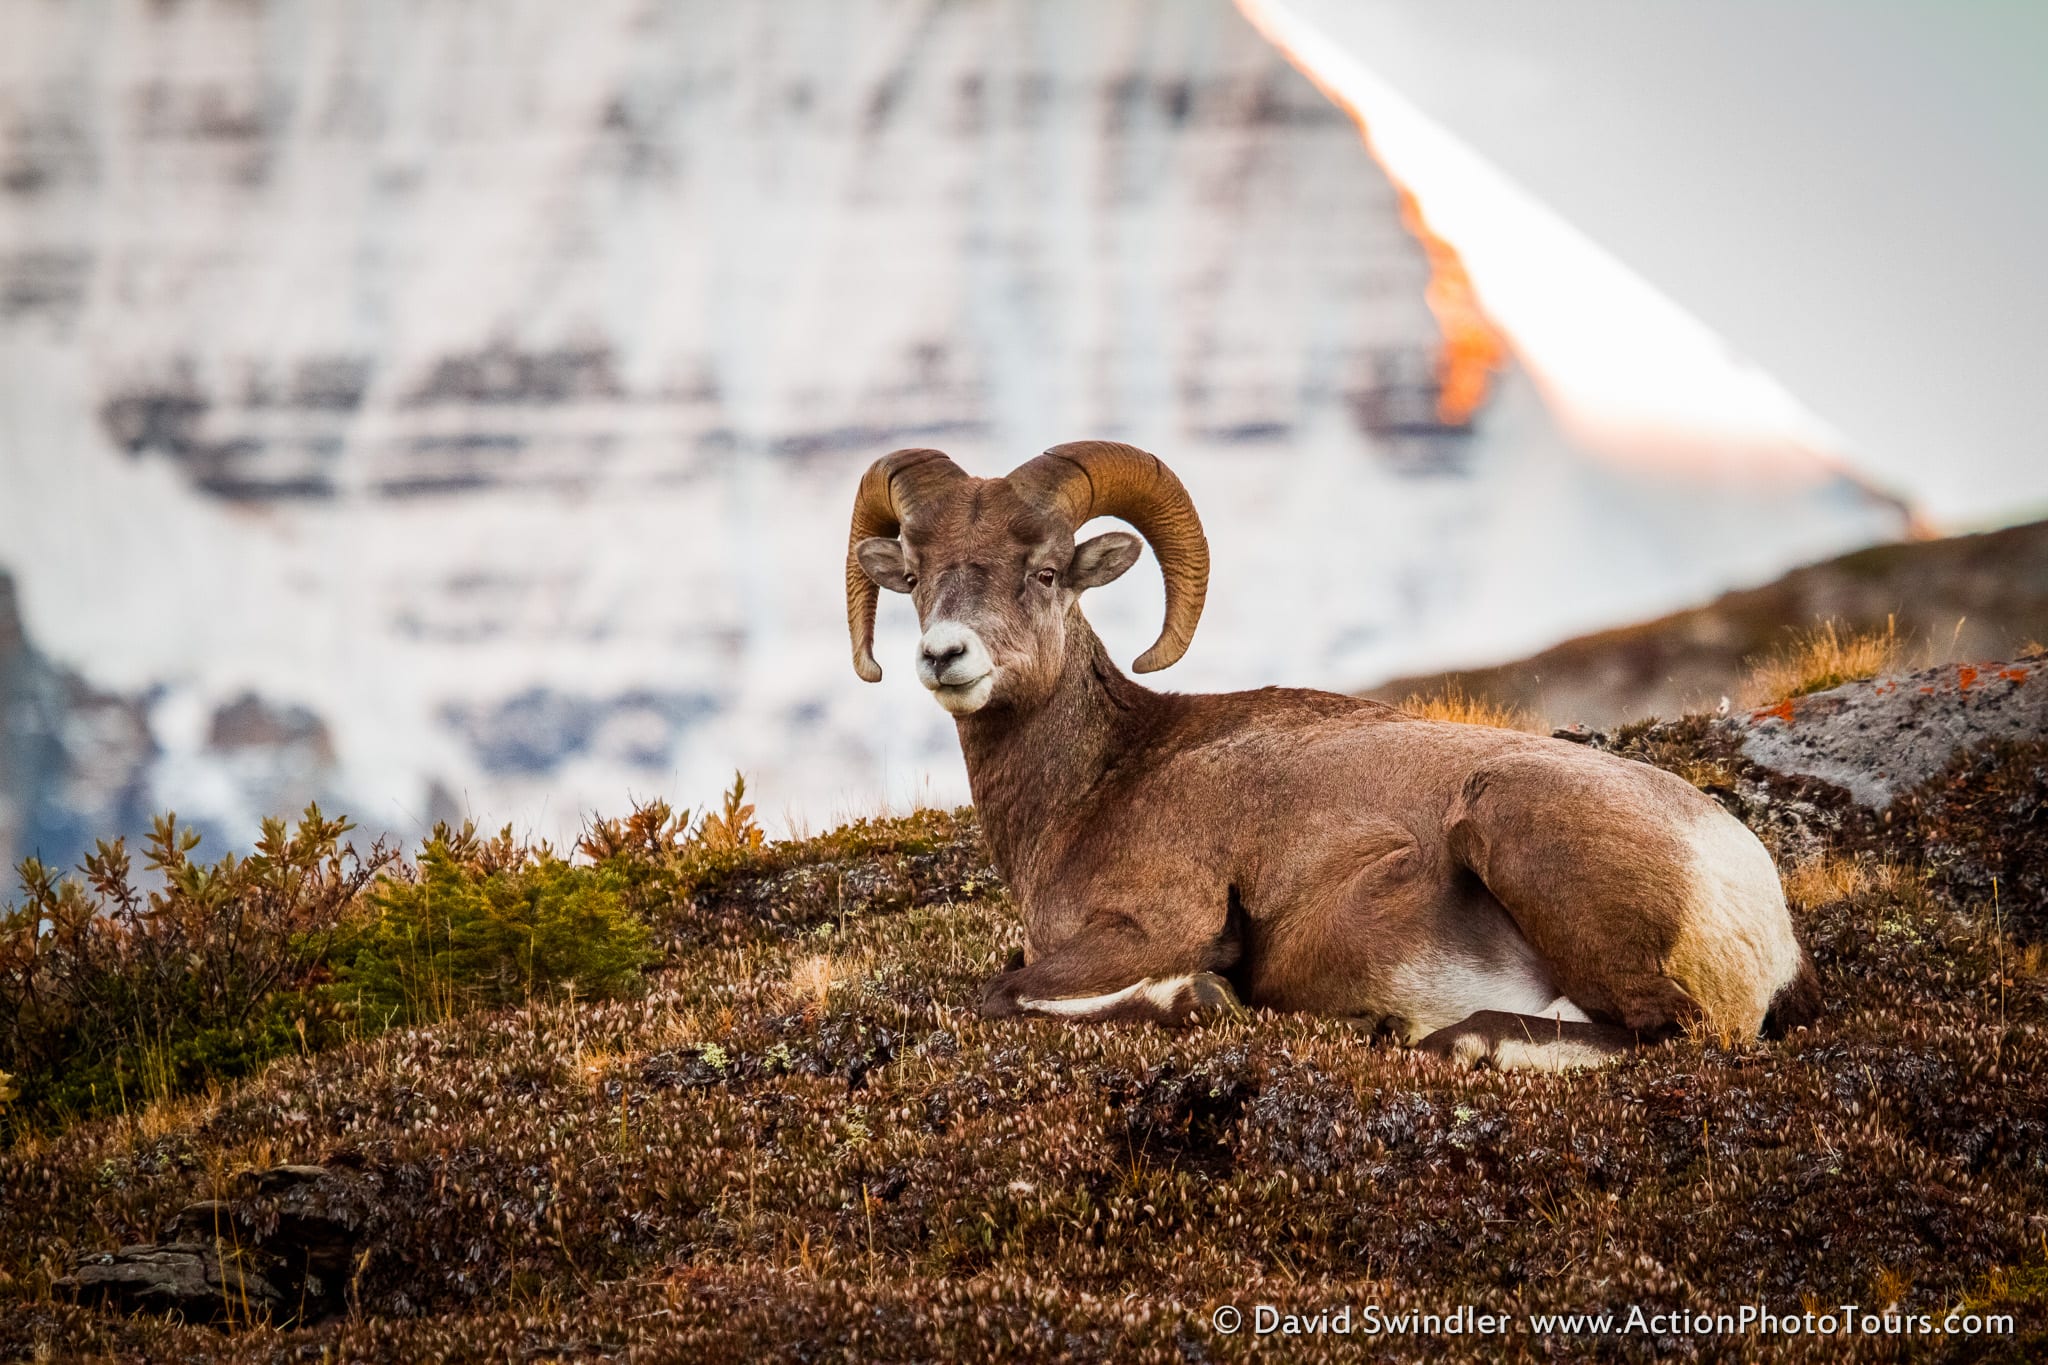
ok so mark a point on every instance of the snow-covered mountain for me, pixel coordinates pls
(453, 408)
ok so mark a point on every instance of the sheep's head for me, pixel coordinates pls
(992, 566)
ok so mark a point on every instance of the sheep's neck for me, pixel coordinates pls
(1026, 767)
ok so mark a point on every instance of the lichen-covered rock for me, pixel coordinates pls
(1882, 736)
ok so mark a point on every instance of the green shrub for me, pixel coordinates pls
(487, 923)
(111, 998)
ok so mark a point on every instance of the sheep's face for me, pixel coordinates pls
(993, 579)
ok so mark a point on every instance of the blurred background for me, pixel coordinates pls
(452, 409)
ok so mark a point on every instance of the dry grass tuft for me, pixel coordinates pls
(1453, 703)
(1707, 774)
(1823, 657)
(1891, 1285)
(812, 980)
(1834, 877)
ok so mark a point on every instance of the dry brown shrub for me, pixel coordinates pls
(733, 829)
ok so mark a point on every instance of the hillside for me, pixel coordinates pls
(800, 1143)
(1965, 597)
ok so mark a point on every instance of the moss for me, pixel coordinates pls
(1981, 828)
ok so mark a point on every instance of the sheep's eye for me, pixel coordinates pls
(910, 580)
(1046, 576)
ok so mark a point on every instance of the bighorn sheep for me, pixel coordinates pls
(1484, 894)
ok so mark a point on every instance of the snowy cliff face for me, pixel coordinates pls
(454, 408)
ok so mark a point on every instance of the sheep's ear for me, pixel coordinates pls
(1103, 559)
(881, 559)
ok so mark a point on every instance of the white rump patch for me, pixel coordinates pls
(1735, 948)
(1159, 992)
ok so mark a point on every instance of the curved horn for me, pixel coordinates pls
(888, 491)
(1086, 479)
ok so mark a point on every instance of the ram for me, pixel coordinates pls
(1483, 894)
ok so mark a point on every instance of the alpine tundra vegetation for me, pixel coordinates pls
(793, 1136)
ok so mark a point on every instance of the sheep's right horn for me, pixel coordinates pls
(888, 491)
(1109, 479)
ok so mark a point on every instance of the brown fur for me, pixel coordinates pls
(1326, 852)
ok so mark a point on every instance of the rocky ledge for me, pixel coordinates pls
(1881, 737)
(282, 1251)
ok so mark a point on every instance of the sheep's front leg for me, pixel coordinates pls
(1112, 971)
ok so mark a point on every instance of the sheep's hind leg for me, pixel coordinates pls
(1527, 1042)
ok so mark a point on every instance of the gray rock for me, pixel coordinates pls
(205, 1221)
(281, 1179)
(283, 1250)
(1883, 736)
(199, 1281)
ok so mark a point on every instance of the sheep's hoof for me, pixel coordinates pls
(997, 1000)
(1459, 1045)
(1209, 994)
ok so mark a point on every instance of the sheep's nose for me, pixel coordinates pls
(944, 656)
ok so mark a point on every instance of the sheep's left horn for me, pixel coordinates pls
(1086, 479)
(888, 491)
